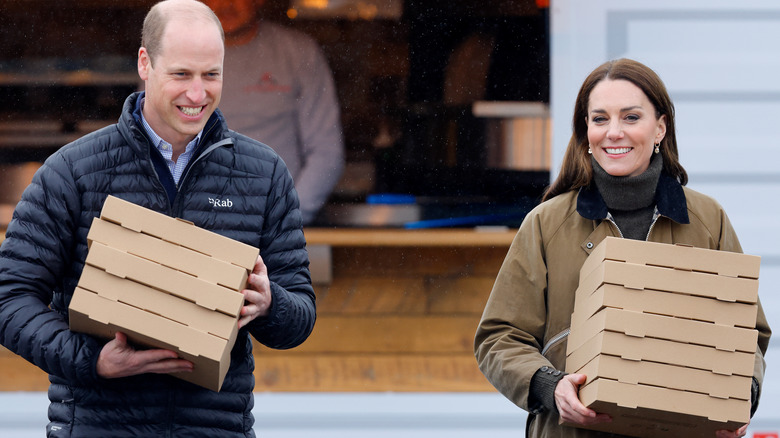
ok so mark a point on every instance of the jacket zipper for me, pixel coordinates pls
(209, 149)
(557, 338)
(191, 164)
(611, 219)
(656, 215)
(201, 156)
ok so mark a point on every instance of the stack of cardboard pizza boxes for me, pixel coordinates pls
(165, 283)
(666, 337)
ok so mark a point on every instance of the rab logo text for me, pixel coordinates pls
(220, 203)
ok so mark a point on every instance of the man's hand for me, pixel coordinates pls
(118, 359)
(569, 406)
(257, 296)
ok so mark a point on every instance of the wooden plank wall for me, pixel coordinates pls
(393, 319)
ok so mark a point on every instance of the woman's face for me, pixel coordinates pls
(622, 127)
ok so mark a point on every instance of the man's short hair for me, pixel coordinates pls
(159, 15)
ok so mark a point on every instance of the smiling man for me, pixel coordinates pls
(171, 151)
(182, 74)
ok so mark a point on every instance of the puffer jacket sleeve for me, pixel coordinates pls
(283, 249)
(35, 258)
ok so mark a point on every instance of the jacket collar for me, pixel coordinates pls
(131, 119)
(669, 199)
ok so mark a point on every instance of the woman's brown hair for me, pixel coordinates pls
(576, 170)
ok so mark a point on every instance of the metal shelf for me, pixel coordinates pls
(41, 134)
(79, 78)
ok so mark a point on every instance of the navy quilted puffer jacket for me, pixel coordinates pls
(43, 255)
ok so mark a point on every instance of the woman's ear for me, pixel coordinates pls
(661, 128)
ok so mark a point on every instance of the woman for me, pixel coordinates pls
(620, 176)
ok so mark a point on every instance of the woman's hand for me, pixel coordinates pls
(570, 408)
(573, 411)
(742, 431)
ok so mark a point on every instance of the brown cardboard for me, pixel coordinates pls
(174, 256)
(166, 284)
(649, 411)
(152, 300)
(634, 276)
(178, 231)
(659, 350)
(663, 327)
(665, 335)
(203, 293)
(664, 303)
(93, 314)
(688, 258)
(668, 376)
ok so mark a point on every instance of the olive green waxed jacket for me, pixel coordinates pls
(530, 306)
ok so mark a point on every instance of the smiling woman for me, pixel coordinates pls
(576, 168)
(620, 177)
(623, 128)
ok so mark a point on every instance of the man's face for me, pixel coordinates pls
(184, 85)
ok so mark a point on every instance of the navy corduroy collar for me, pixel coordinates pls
(669, 200)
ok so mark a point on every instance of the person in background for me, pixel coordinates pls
(620, 177)
(170, 151)
(280, 91)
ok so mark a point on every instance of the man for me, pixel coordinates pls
(280, 91)
(170, 151)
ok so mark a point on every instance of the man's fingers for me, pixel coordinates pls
(165, 366)
(244, 320)
(260, 267)
(119, 359)
(256, 304)
(159, 361)
(156, 355)
(121, 338)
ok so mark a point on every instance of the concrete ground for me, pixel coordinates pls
(379, 415)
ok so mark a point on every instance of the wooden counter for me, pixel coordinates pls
(399, 315)
(450, 237)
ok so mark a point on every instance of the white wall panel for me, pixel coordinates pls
(729, 138)
(756, 227)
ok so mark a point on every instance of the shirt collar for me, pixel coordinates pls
(158, 141)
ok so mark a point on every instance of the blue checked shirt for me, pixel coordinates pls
(176, 167)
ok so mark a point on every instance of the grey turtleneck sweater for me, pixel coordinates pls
(630, 199)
